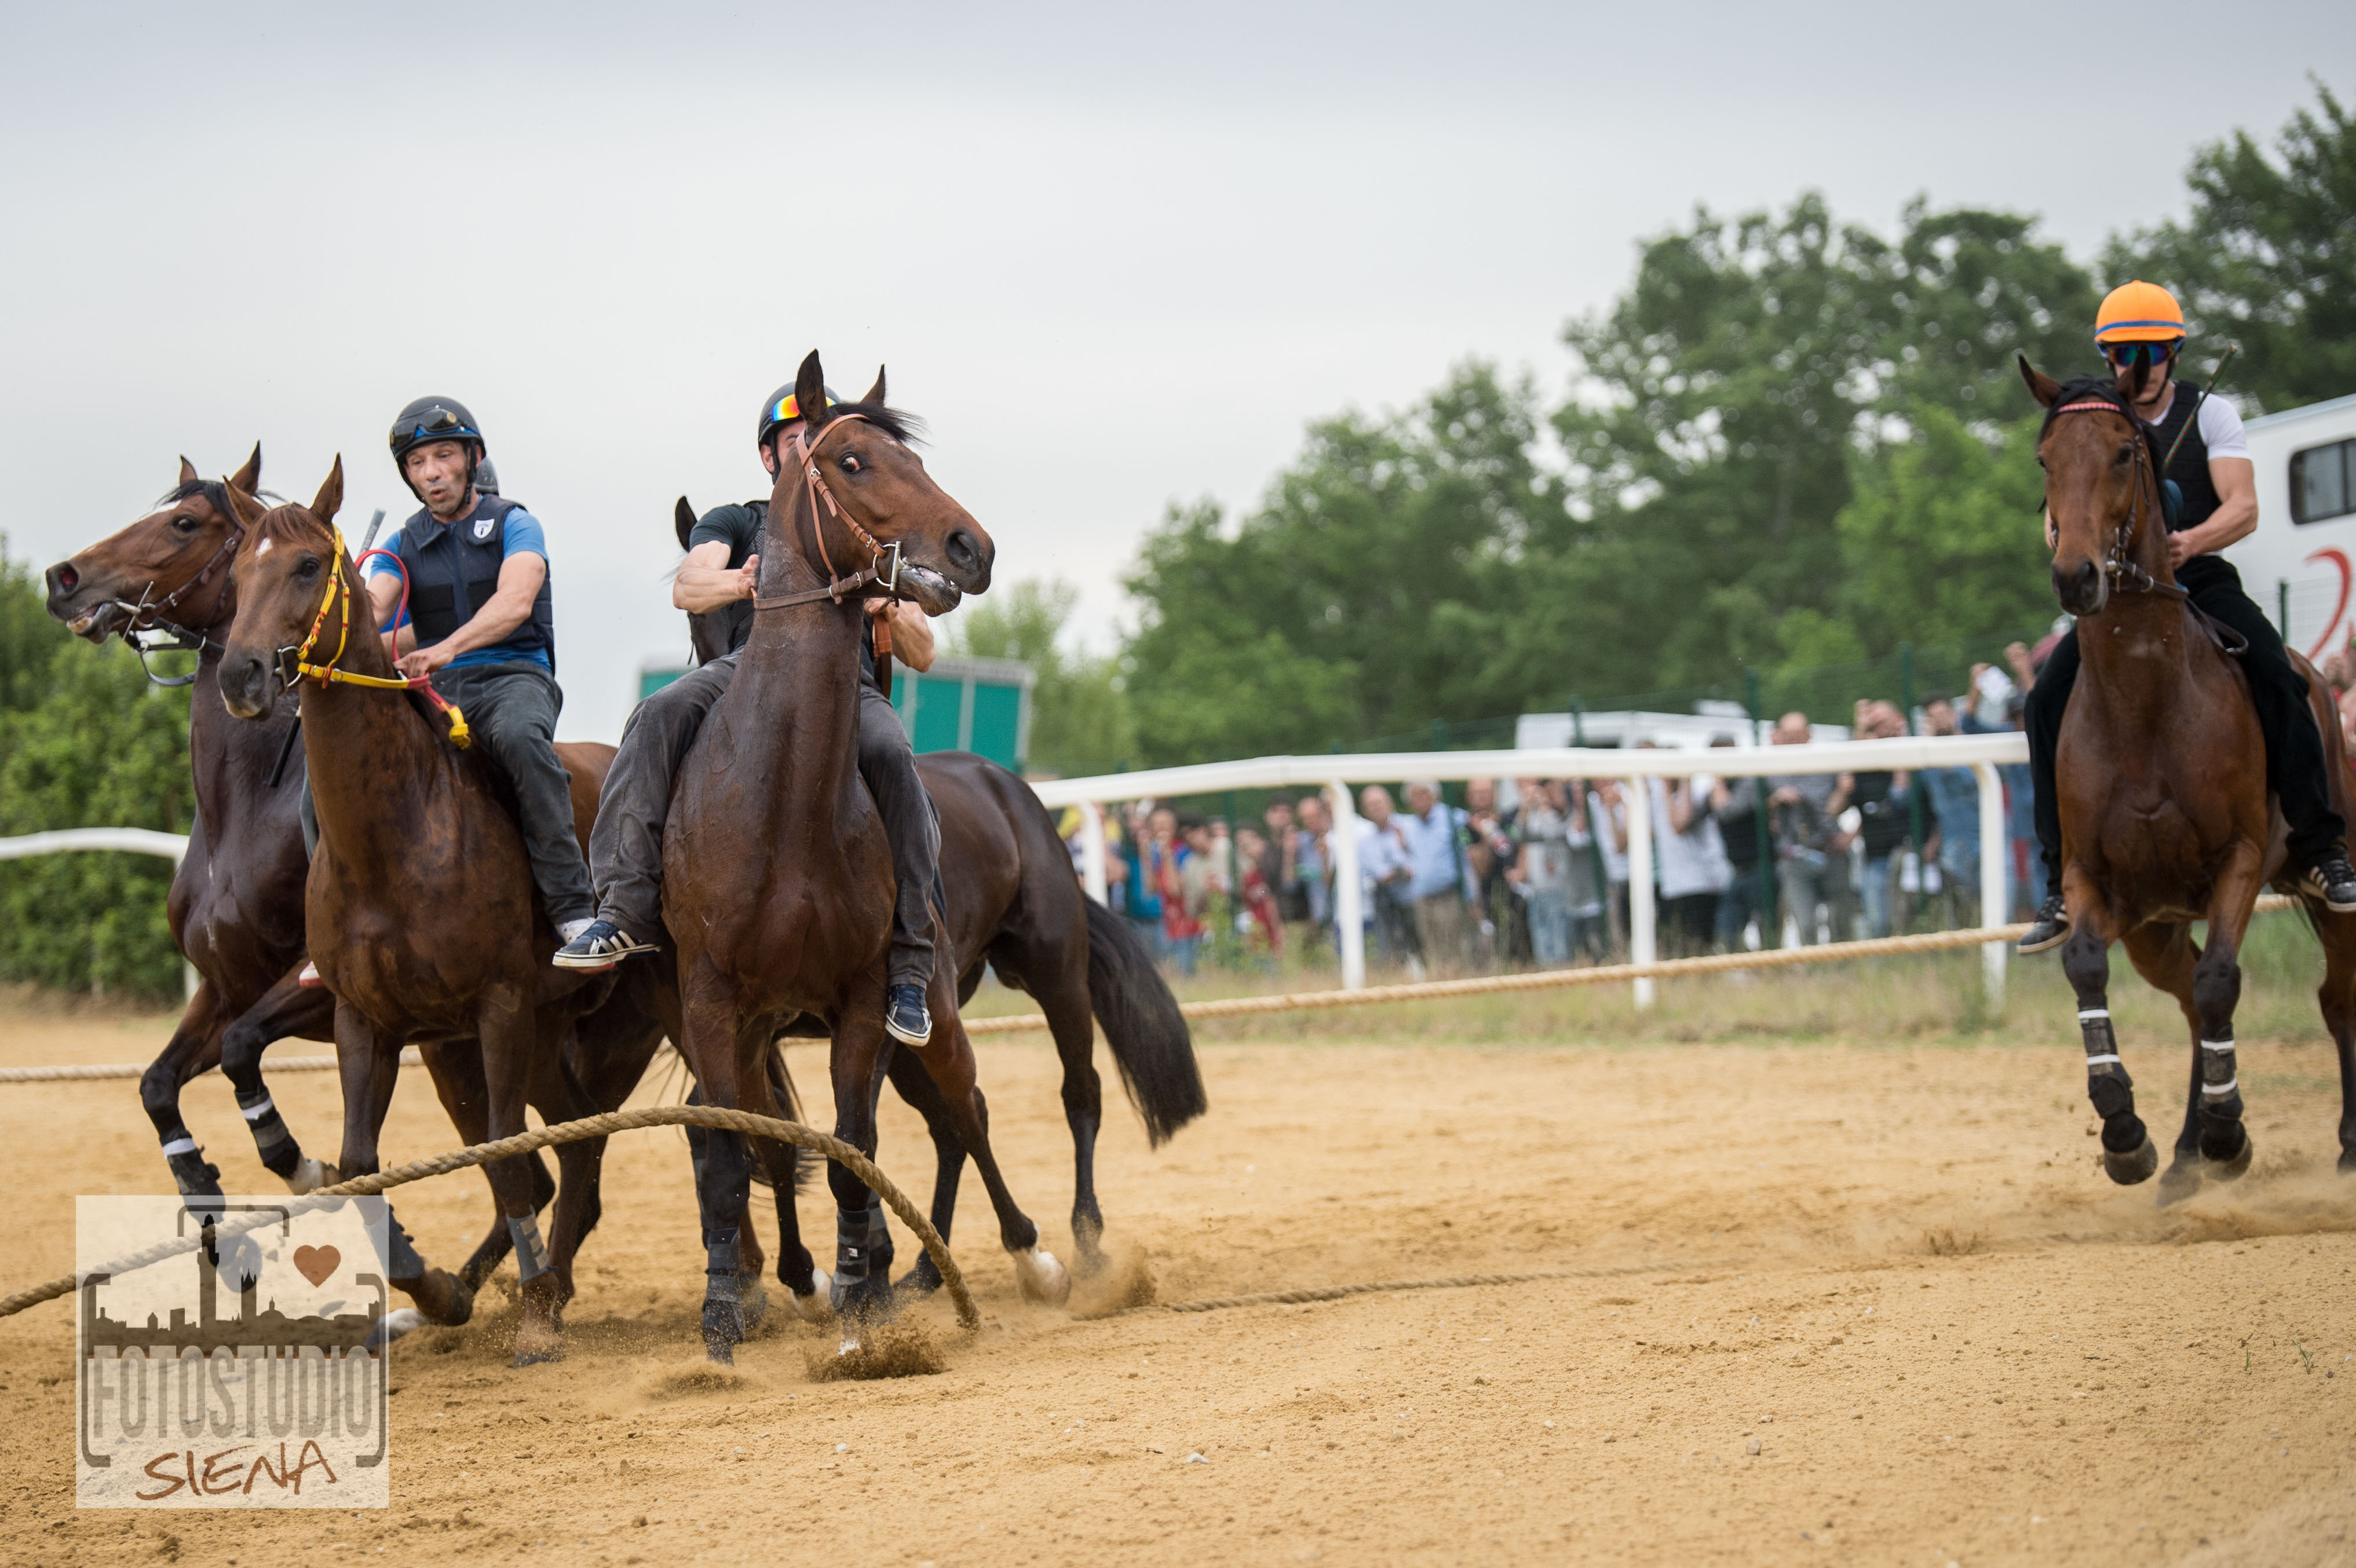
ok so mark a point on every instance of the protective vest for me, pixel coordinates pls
(2190, 472)
(453, 569)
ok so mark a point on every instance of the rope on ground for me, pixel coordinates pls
(1602, 975)
(1337, 1292)
(587, 1127)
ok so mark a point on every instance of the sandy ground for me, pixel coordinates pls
(1851, 1302)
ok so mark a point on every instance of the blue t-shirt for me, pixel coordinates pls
(524, 536)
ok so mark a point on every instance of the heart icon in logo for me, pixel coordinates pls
(317, 1263)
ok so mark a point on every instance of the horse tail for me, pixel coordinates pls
(1151, 1042)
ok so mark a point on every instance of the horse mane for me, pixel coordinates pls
(213, 490)
(2101, 389)
(898, 423)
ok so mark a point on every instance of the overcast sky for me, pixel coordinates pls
(1116, 256)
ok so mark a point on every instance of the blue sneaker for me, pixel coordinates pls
(904, 1017)
(601, 946)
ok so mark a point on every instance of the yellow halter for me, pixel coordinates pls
(337, 594)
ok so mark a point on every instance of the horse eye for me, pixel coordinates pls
(850, 463)
(307, 567)
(185, 523)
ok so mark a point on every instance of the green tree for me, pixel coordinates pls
(1370, 590)
(1080, 721)
(2264, 256)
(1939, 543)
(96, 746)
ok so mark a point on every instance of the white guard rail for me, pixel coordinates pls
(1334, 775)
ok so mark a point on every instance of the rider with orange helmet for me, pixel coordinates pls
(2211, 500)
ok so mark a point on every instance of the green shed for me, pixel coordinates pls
(959, 705)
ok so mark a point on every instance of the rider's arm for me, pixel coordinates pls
(2236, 516)
(384, 604)
(520, 576)
(706, 581)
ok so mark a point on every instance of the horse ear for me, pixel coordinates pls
(2042, 386)
(810, 390)
(189, 474)
(244, 508)
(249, 478)
(330, 498)
(875, 392)
(682, 522)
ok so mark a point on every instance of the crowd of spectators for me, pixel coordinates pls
(1534, 871)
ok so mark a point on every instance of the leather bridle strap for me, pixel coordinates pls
(837, 587)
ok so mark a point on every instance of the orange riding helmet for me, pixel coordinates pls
(2138, 311)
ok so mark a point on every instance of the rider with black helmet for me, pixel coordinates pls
(481, 623)
(715, 586)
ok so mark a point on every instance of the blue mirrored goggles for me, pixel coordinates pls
(2125, 356)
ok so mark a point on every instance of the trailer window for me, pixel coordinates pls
(2321, 482)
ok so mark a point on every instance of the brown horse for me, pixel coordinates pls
(777, 884)
(421, 912)
(1014, 906)
(2166, 817)
(236, 904)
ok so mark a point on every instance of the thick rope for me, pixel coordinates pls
(858, 1163)
(1337, 1292)
(1371, 996)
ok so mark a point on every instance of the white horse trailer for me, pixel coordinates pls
(2297, 565)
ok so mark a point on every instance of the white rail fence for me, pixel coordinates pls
(1634, 766)
(1334, 775)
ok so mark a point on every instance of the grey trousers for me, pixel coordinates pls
(625, 847)
(511, 711)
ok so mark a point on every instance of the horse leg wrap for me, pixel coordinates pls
(191, 1173)
(2108, 1083)
(279, 1151)
(531, 1253)
(2223, 1137)
(724, 1312)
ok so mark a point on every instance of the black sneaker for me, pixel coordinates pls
(2332, 879)
(601, 946)
(2050, 928)
(904, 1017)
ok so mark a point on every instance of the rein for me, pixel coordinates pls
(2128, 576)
(295, 668)
(806, 451)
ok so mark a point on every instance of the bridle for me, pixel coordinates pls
(295, 662)
(149, 631)
(2128, 576)
(875, 573)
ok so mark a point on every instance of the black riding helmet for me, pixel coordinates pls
(435, 419)
(779, 408)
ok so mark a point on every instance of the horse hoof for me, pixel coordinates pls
(401, 1320)
(1043, 1279)
(2135, 1166)
(2347, 1162)
(2181, 1180)
(442, 1298)
(310, 1175)
(537, 1347)
(922, 1280)
(2232, 1167)
(818, 1306)
(723, 1331)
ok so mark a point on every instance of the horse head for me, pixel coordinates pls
(157, 569)
(2102, 492)
(878, 485)
(286, 570)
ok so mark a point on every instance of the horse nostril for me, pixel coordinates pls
(63, 578)
(960, 551)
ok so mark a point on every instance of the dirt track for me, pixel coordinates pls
(1876, 1306)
